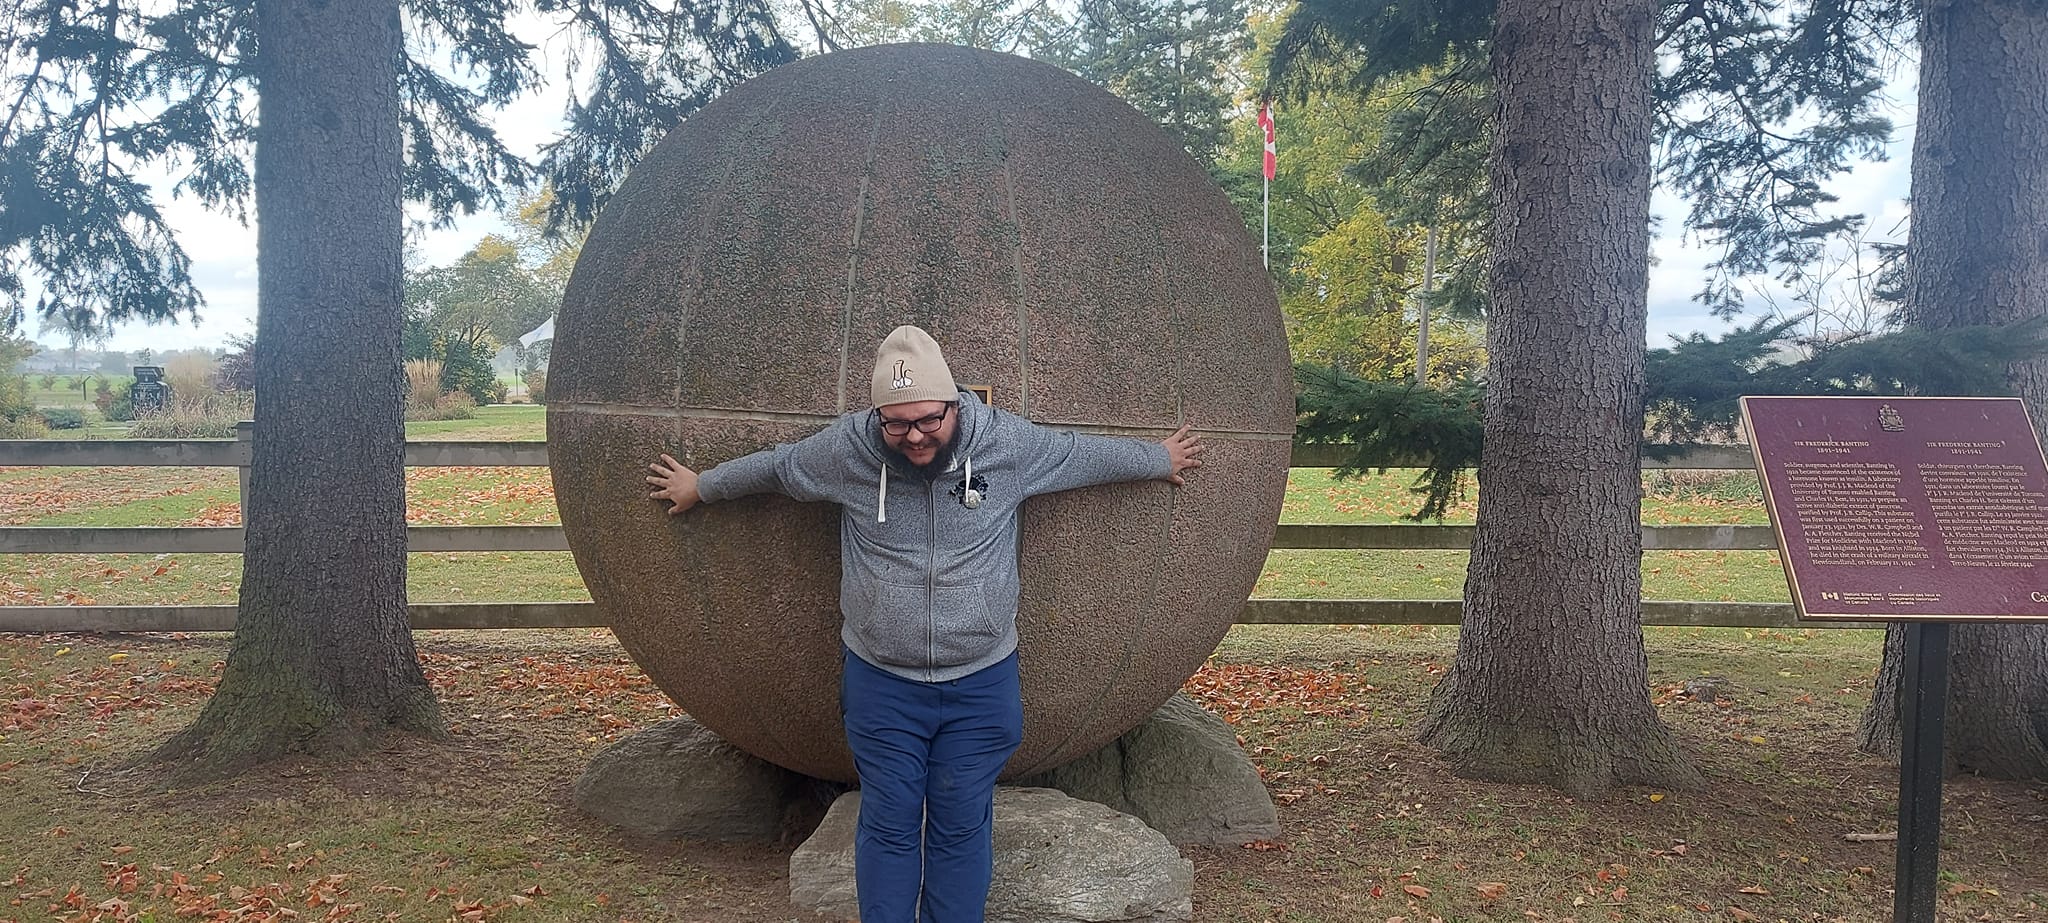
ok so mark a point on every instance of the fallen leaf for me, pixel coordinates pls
(1416, 890)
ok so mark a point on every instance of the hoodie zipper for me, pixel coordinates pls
(931, 579)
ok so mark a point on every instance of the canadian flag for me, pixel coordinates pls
(1266, 122)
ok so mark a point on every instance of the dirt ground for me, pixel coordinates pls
(481, 826)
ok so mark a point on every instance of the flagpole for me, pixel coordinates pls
(1266, 187)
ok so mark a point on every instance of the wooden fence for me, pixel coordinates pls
(235, 454)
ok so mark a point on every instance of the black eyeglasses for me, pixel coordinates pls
(929, 424)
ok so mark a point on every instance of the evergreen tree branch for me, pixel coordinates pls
(1395, 423)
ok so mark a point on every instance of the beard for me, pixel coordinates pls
(941, 459)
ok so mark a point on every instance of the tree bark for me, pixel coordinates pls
(323, 660)
(1551, 684)
(1978, 254)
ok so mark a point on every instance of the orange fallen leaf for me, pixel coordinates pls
(1416, 890)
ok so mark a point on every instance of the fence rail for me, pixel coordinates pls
(236, 453)
(1668, 613)
(228, 539)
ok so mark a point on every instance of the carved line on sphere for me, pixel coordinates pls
(820, 419)
(1121, 671)
(741, 148)
(860, 220)
(1017, 267)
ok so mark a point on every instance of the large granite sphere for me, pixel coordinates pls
(1064, 251)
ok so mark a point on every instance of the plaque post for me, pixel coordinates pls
(1923, 709)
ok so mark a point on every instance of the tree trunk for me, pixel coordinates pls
(1550, 683)
(323, 659)
(1978, 254)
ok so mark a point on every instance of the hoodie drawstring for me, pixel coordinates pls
(882, 496)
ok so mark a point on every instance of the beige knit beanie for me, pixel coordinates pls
(909, 368)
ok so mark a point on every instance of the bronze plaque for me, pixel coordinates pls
(1904, 508)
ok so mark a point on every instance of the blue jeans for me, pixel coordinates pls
(928, 755)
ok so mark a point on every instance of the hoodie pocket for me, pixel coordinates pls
(962, 630)
(890, 623)
(910, 626)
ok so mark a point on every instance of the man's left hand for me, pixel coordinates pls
(1184, 448)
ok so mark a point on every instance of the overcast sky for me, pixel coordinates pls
(224, 262)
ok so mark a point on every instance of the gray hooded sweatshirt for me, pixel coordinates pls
(928, 570)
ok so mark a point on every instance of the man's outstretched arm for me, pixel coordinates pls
(1063, 460)
(811, 468)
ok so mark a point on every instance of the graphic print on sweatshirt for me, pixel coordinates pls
(979, 488)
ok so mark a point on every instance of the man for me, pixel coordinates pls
(930, 483)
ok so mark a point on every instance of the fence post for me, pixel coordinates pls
(245, 433)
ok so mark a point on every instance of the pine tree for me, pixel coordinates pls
(1167, 58)
(355, 120)
(1974, 257)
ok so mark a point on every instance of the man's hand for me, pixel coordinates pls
(674, 483)
(1184, 449)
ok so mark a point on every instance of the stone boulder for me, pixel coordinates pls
(1182, 772)
(1057, 860)
(678, 780)
(1068, 255)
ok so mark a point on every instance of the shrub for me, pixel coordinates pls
(15, 403)
(29, 427)
(62, 418)
(237, 370)
(537, 386)
(457, 406)
(114, 401)
(422, 383)
(191, 377)
(180, 424)
(49, 381)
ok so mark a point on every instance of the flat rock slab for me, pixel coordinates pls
(1182, 773)
(678, 780)
(1057, 860)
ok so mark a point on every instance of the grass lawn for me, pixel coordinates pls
(494, 423)
(481, 827)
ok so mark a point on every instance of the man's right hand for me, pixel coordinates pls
(674, 483)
